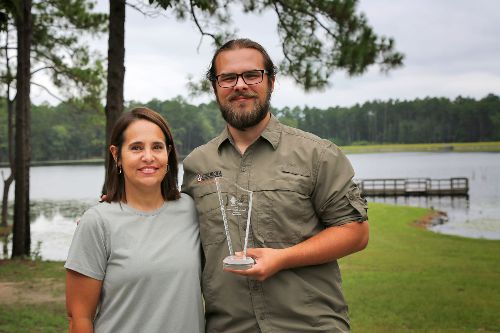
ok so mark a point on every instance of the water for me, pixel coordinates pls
(478, 217)
(60, 194)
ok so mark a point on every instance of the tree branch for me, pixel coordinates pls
(41, 69)
(285, 54)
(203, 33)
(328, 31)
(140, 10)
(148, 13)
(47, 90)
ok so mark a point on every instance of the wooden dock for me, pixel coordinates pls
(415, 187)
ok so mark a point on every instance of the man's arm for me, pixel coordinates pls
(326, 246)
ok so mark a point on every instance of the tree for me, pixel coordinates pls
(318, 38)
(8, 78)
(48, 37)
(21, 230)
(116, 68)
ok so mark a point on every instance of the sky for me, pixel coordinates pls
(451, 47)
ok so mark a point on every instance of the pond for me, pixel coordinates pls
(60, 194)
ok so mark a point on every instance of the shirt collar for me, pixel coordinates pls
(272, 134)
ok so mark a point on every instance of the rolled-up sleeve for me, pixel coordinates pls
(336, 198)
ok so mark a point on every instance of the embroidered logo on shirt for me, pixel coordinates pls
(209, 175)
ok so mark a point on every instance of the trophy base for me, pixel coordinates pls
(238, 263)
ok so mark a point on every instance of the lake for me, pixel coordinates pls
(60, 194)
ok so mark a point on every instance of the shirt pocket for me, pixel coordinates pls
(284, 207)
(209, 214)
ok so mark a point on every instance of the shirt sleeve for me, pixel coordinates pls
(88, 251)
(337, 199)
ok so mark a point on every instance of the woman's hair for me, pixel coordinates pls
(115, 182)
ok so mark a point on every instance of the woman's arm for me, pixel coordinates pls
(82, 297)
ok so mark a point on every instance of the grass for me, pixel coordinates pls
(413, 280)
(27, 270)
(426, 147)
(34, 278)
(49, 317)
(408, 280)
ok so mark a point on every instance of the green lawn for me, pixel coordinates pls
(414, 280)
(407, 280)
(425, 147)
(36, 280)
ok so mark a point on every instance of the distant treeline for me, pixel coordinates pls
(70, 131)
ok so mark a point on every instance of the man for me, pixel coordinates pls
(306, 210)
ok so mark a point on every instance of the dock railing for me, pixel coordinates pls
(458, 186)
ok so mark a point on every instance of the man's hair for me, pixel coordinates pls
(242, 43)
(115, 181)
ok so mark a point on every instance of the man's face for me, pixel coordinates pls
(242, 106)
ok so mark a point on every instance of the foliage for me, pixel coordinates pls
(318, 38)
(66, 132)
(426, 120)
(49, 40)
(191, 125)
(69, 132)
(58, 50)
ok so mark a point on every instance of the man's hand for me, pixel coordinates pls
(328, 245)
(267, 263)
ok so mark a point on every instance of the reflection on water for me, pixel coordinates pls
(52, 227)
(60, 194)
(466, 218)
(478, 217)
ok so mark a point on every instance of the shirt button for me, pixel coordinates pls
(262, 316)
(243, 169)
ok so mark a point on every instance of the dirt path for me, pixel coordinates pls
(32, 292)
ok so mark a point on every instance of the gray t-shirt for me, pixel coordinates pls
(149, 264)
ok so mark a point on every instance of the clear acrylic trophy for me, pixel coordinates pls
(236, 209)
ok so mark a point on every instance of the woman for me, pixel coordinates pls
(134, 262)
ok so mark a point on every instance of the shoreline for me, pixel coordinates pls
(431, 219)
(457, 147)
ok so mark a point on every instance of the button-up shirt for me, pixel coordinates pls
(300, 184)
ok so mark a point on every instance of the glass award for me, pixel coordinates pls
(236, 210)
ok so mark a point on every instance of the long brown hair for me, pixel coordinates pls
(115, 182)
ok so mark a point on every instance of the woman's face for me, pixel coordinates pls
(144, 156)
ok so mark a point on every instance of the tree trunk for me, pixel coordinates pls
(5, 199)
(116, 67)
(10, 139)
(21, 229)
(8, 181)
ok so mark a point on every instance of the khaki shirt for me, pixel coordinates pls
(301, 185)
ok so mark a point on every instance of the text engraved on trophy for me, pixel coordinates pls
(236, 206)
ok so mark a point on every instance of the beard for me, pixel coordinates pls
(242, 119)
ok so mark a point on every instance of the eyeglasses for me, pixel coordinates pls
(252, 77)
